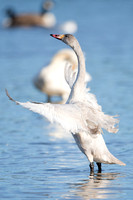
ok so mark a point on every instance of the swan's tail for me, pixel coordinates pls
(102, 153)
(117, 161)
(113, 160)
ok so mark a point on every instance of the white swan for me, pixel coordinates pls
(81, 115)
(50, 79)
(68, 27)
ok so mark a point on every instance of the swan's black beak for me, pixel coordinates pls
(59, 37)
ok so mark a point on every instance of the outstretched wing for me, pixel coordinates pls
(70, 74)
(67, 115)
(95, 114)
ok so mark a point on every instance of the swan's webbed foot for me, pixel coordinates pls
(92, 169)
(99, 167)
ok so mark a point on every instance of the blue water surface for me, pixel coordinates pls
(38, 160)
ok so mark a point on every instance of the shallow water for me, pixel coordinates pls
(39, 160)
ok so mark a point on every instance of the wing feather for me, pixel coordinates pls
(70, 75)
(67, 115)
(97, 118)
(75, 117)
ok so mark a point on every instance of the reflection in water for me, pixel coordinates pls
(99, 186)
(57, 132)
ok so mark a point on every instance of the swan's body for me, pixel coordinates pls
(81, 115)
(43, 19)
(50, 79)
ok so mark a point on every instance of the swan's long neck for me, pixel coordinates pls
(79, 84)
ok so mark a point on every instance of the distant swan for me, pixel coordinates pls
(43, 19)
(50, 79)
(81, 115)
(68, 27)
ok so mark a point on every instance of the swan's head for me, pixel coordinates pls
(66, 38)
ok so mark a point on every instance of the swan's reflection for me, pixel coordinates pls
(57, 132)
(99, 186)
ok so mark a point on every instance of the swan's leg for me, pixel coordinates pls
(49, 99)
(99, 167)
(91, 168)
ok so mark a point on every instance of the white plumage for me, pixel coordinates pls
(81, 115)
(68, 27)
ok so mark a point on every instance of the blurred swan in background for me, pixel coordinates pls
(44, 19)
(81, 115)
(68, 27)
(50, 79)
